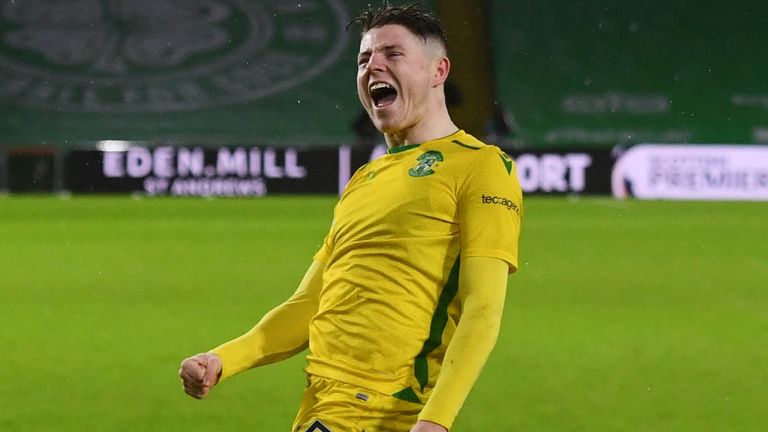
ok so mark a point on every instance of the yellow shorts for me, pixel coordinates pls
(333, 406)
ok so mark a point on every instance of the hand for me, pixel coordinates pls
(199, 374)
(425, 426)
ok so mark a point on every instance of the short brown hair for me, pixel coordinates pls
(411, 16)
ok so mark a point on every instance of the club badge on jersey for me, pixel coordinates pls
(425, 163)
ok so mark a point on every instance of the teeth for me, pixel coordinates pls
(380, 85)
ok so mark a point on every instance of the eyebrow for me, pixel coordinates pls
(389, 47)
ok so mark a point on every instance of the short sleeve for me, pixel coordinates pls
(490, 207)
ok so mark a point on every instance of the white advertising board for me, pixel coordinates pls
(692, 172)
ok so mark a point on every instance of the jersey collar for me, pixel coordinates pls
(400, 149)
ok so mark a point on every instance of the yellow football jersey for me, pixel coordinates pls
(388, 305)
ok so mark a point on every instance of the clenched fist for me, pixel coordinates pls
(199, 374)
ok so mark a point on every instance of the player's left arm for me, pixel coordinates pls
(490, 208)
(482, 288)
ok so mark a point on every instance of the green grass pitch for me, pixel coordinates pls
(625, 316)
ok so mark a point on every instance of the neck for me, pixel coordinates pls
(435, 124)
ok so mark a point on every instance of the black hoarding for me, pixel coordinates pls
(202, 171)
(564, 172)
(553, 172)
(259, 170)
(726, 172)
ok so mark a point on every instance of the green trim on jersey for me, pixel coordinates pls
(507, 162)
(435, 338)
(436, 328)
(465, 145)
(401, 149)
(407, 394)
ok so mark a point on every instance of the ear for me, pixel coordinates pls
(441, 70)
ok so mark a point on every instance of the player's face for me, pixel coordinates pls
(394, 76)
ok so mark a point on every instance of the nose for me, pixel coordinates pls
(375, 62)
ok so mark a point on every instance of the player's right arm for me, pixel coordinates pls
(281, 333)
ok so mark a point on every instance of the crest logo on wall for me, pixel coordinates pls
(137, 56)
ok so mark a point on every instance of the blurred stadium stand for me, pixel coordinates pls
(531, 76)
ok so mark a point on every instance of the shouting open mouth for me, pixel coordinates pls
(382, 94)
